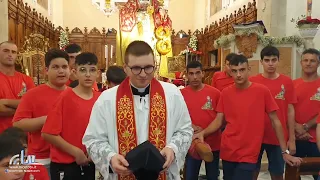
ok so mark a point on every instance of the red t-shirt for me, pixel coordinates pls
(201, 105)
(308, 105)
(38, 172)
(36, 103)
(70, 126)
(221, 80)
(283, 92)
(244, 112)
(94, 87)
(13, 87)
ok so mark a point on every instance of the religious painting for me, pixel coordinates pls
(43, 3)
(215, 6)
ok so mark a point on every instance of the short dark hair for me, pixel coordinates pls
(230, 56)
(137, 48)
(194, 64)
(238, 59)
(311, 51)
(86, 58)
(7, 42)
(115, 74)
(10, 146)
(15, 133)
(53, 54)
(269, 51)
(74, 84)
(72, 48)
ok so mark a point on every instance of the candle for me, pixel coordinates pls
(309, 9)
(111, 54)
(106, 55)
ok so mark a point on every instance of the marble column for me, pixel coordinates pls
(4, 26)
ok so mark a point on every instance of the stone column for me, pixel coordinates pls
(4, 25)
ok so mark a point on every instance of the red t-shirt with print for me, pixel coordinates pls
(308, 105)
(36, 172)
(13, 87)
(202, 109)
(221, 80)
(244, 111)
(70, 126)
(36, 103)
(283, 92)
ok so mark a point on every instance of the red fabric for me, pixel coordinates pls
(13, 87)
(70, 126)
(221, 80)
(68, 82)
(36, 103)
(38, 172)
(308, 94)
(283, 92)
(202, 109)
(127, 15)
(244, 112)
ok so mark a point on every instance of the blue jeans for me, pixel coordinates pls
(307, 149)
(193, 167)
(236, 170)
(275, 159)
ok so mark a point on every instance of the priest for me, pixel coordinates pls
(141, 109)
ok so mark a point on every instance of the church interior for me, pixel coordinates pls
(179, 31)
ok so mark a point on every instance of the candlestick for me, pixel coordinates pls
(111, 54)
(309, 9)
(106, 55)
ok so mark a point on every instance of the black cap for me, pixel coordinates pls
(145, 161)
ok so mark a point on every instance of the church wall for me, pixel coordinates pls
(40, 9)
(4, 26)
(297, 8)
(83, 14)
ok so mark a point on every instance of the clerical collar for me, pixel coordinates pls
(142, 92)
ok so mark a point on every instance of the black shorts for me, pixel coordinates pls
(72, 171)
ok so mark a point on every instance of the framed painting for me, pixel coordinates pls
(43, 3)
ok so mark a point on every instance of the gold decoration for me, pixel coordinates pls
(162, 32)
(247, 44)
(163, 46)
(126, 126)
(150, 10)
(176, 64)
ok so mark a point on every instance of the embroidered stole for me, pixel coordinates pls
(126, 125)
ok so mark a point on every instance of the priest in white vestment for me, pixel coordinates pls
(141, 108)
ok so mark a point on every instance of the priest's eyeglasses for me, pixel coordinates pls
(136, 70)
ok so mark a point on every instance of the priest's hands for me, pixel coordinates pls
(292, 161)
(168, 154)
(119, 164)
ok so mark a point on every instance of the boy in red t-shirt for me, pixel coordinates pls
(307, 109)
(223, 79)
(201, 101)
(282, 90)
(12, 142)
(13, 84)
(35, 104)
(64, 131)
(243, 106)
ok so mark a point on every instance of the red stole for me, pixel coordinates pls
(126, 125)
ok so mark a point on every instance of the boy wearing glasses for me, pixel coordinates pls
(141, 108)
(64, 130)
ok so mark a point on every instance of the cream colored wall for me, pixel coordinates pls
(39, 8)
(83, 14)
(4, 29)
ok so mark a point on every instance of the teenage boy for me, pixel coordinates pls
(307, 108)
(243, 106)
(13, 84)
(12, 142)
(64, 131)
(201, 101)
(115, 76)
(223, 79)
(35, 104)
(282, 90)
